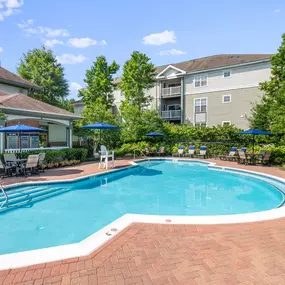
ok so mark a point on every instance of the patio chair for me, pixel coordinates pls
(265, 159)
(244, 159)
(42, 156)
(31, 165)
(7, 169)
(203, 152)
(231, 156)
(104, 157)
(243, 149)
(180, 151)
(161, 151)
(191, 151)
(147, 151)
(10, 158)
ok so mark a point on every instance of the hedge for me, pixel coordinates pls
(53, 156)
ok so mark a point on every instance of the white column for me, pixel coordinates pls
(2, 138)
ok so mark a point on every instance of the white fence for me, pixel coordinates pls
(14, 150)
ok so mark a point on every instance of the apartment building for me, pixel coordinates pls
(209, 91)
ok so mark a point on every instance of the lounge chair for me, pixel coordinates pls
(264, 160)
(203, 152)
(42, 156)
(243, 158)
(191, 151)
(243, 149)
(232, 155)
(161, 151)
(10, 158)
(180, 151)
(31, 165)
(146, 151)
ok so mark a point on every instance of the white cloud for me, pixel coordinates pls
(52, 43)
(71, 58)
(75, 86)
(26, 24)
(1, 49)
(172, 52)
(14, 3)
(84, 42)
(277, 11)
(27, 27)
(53, 33)
(9, 7)
(160, 38)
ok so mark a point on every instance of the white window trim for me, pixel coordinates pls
(202, 74)
(227, 70)
(194, 104)
(227, 101)
(228, 122)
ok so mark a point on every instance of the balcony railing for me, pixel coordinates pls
(172, 114)
(171, 91)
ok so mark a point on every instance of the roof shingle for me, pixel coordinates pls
(215, 61)
(25, 102)
(9, 77)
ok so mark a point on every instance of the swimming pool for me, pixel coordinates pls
(159, 187)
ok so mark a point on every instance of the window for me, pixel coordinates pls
(173, 107)
(200, 105)
(202, 125)
(227, 98)
(227, 73)
(201, 80)
(226, 123)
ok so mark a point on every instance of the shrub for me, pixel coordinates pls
(53, 157)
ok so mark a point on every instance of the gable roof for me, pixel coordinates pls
(24, 102)
(215, 61)
(13, 79)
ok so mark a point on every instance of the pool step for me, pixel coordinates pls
(31, 196)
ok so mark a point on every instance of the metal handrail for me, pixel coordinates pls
(5, 195)
(140, 153)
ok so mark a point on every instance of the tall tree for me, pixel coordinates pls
(270, 113)
(138, 77)
(41, 67)
(99, 80)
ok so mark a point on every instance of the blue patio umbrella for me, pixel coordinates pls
(154, 134)
(100, 126)
(254, 133)
(21, 128)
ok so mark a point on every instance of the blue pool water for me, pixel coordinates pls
(158, 188)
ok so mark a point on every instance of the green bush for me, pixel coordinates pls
(58, 155)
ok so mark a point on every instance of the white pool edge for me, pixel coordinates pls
(96, 240)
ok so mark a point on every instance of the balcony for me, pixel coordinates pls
(171, 115)
(171, 91)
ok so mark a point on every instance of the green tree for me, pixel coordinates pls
(99, 80)
(41, 67)
(98, 111)
(138, 77)
(137, 123)
(270, 113)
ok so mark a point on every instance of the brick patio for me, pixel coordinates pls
(248, 254)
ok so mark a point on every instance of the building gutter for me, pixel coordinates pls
(20, 84)
(40, 114)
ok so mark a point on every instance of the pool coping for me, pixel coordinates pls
(94, 241)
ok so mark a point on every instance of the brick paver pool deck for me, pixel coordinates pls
(248, 254)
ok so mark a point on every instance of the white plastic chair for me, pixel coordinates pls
(104, 157)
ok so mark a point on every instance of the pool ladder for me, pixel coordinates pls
(140, 153)
(5, 202)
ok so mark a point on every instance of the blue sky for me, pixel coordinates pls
(167, 31)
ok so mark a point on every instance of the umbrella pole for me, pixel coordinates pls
(253, 141)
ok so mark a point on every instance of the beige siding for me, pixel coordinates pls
(237, 111)
(78, 108)
(242, 77)
(13, 89)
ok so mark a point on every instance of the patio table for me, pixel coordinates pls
(19, 162)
